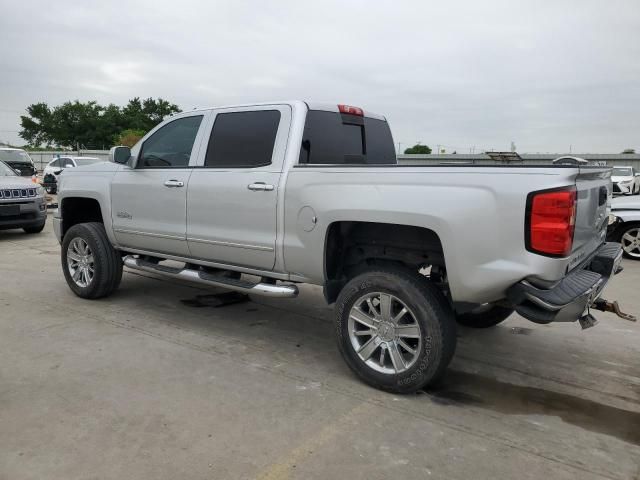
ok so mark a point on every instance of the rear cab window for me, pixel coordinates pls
(336, 138)
(243, 139)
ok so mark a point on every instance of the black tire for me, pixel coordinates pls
(34, 229)
(622, 229)
(485, 318)
(107, 261)
(431, 311)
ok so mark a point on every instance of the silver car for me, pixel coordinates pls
(22, 203)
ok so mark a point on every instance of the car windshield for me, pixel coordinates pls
(87, 161)
(15, 156)
(622, 172)
(6, 171)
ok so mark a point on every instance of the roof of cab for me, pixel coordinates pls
(311, 105)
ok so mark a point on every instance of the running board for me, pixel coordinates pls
(213, 280)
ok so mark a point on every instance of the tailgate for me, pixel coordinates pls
(593, 186)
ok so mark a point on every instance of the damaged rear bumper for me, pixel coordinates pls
(569, 298)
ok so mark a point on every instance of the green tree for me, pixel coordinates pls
(36, 127)
(418, 149)
(129, 137)
(146, 114)
(90, 125)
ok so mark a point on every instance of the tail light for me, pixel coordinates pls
(351, 110)
(550, 221)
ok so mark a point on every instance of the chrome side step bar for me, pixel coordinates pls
(213, 280)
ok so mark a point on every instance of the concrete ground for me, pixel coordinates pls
(154, 382)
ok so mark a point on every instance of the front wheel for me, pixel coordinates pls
(395, 329)
(485, 316)
(91, 266)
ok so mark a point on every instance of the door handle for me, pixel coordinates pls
(260, 187)
(173, 183)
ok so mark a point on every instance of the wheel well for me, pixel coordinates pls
(76, 210)
(351, 246)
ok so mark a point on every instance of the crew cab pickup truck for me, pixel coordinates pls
(259, 198)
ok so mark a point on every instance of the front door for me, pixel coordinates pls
(149, 201)
(232, 200)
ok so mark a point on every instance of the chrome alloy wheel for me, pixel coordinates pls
(631, 242)
(384, 333)
(80, 262)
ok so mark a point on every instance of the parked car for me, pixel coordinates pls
(22, 203)
(625, 225)
(300, 192)
(57, 165)
(625, 181)
(19, 160)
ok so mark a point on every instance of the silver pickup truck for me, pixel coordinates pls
(258, 198)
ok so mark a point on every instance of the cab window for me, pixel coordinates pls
(243, 139)
(171, 145)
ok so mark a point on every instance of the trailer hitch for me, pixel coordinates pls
(613, 307)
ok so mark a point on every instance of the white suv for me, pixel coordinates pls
(625, 180)
(57, 165)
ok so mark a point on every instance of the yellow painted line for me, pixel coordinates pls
(282, 469)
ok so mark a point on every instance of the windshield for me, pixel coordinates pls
(6, 171)
(622, 172)
(15, 156)
(87, 161)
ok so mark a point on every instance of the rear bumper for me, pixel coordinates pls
(568, 299)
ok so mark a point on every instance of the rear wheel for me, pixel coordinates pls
(629, 237)
(484, 316)
(91, 266)
(395, 329)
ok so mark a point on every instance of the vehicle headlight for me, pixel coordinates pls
(612, 219)
(627, 182)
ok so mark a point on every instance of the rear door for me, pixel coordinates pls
(233, 195)
(149, 201)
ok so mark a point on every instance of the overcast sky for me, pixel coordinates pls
(546, 74)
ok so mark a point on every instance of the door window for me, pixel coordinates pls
(171, 145)
(67, 162)
(243, 139)
(55, 164)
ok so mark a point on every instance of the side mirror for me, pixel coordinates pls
(120, 154)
